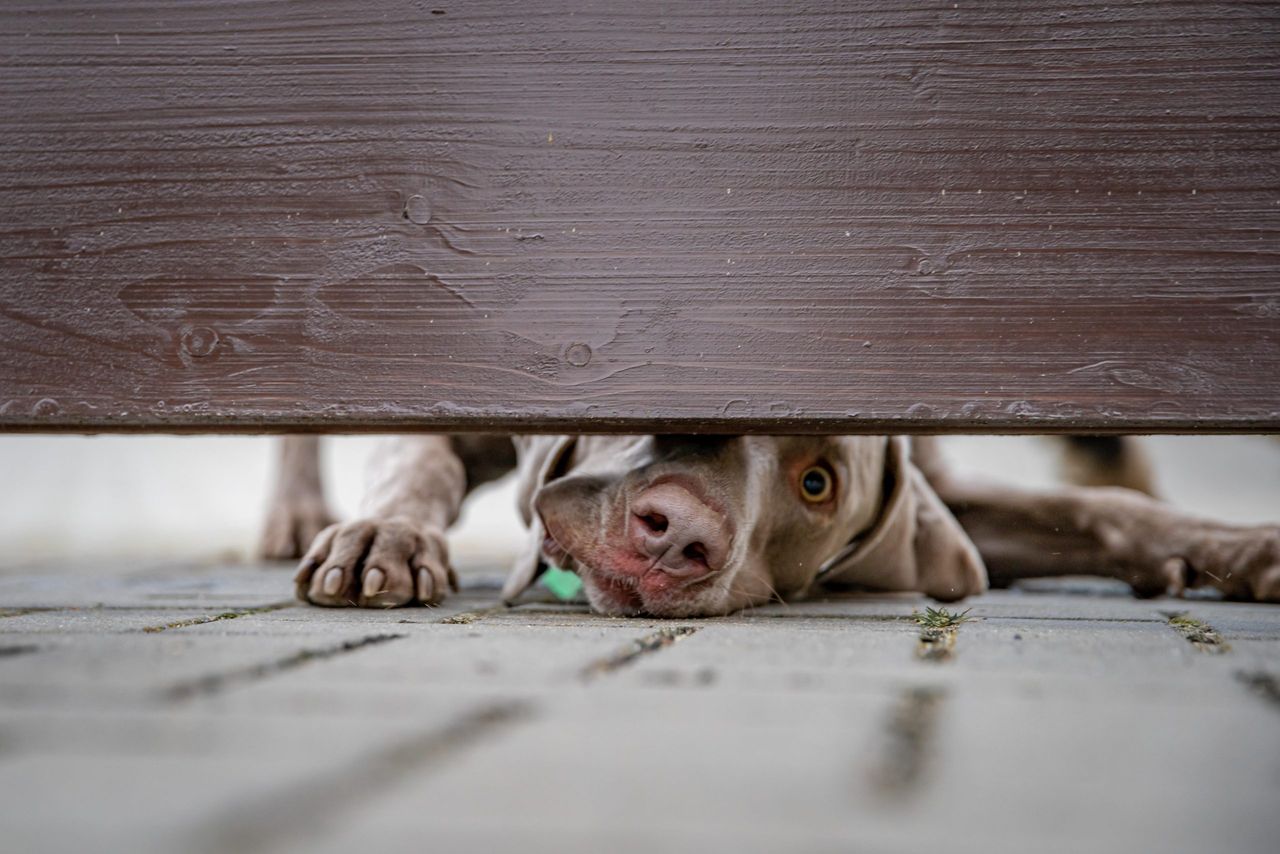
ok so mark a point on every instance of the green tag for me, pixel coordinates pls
(565, 586)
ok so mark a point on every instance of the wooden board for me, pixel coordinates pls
(861, 216)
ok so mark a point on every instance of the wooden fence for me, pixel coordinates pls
(740, 216)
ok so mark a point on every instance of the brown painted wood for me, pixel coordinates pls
(338, 214)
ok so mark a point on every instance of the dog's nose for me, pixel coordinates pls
(685, 537)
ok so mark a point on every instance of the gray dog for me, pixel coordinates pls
(701, 525)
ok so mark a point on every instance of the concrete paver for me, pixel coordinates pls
(1065, 719)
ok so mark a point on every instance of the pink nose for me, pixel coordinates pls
(685, 537)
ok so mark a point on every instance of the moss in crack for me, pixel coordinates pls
(213, 618)
(641, 646)
(1197, 632)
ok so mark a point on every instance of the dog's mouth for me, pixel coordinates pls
(611, 594)
(618, 593)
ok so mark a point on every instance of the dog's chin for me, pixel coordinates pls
(627, 596)
(614, 597)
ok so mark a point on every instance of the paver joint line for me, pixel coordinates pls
(641, 646)
(213, 618)
(216, 682)
(909, 737)
(1263, 684)
(22, 612)
(19, 649)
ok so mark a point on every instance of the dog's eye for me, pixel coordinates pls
(815, 484)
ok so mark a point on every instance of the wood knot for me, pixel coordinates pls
(46, 407)
(417, 210)
(199, 341)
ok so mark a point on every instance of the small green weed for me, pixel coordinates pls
(940, 618)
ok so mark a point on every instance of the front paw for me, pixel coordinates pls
(291, 526)
(1243, 563)
(376, 563)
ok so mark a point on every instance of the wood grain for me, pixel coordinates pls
(742, 216)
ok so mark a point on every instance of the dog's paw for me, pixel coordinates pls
(376, 563)
(291, 527)
(1243, 563)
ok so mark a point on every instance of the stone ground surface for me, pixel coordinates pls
(197, 708)
(157, 695)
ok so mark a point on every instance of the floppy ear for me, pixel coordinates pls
(915, 542)
(541, 459)
(947, 561)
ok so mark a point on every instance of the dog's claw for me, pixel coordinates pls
(374, 579)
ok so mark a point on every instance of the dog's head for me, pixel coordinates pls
(698, 525)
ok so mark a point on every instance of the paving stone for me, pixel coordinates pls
(74, 621)
(438, 658)
(1063, 720)
(301, 619)
(118, 670)
(1107, 771)
(602, 768)
(164, 782)
(124, 585)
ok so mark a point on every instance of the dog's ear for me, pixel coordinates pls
(541, 460)
(915, 542)
(947, 562)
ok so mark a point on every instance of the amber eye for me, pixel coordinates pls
(815, 484)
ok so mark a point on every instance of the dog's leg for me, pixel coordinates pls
(395, 552)
(1106, 461)
(1113, 532)
(297, 511)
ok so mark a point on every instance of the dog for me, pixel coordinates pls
(684, 526)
